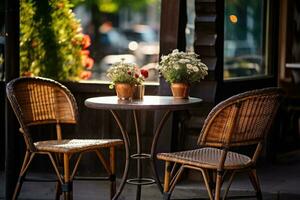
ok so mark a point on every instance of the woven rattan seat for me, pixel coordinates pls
(75, 145)
(41, 101)
(242, 120)
(208, 157)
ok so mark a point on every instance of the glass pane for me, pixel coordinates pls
(122, 30)
(80, 39)
(244, 42)
(190, 26)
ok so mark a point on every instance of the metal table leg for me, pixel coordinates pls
(139, 181)
(138, 151)
(127, 153)
(153, 148)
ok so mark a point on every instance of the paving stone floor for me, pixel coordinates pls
(280, 181)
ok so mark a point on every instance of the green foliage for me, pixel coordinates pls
(113, 6)
(134, 4)
(50, 40)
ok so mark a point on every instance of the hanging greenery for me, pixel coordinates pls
(113, 6)
(51, 42)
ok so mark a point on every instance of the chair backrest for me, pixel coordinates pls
(243, 119)
(37, 100)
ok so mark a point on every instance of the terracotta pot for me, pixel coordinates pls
(180, 90)
(139, 92)
(124, 91)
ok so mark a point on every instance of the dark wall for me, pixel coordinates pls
(293, 32)
(290, 137)
(2, 125)
(12, 147)
(2, 97)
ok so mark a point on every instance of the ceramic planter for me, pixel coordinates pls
(180, 90)
(124, 91)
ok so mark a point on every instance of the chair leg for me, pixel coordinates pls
(218, 185)
(59, 160)
(228, 185)
(67, 186)
(58, 190)
(167, 195)
(206, 181)
(113, 172)
(255, 183)
(211, 175)
(26, 162)
(175, 179)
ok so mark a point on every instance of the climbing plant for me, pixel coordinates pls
(51, 42)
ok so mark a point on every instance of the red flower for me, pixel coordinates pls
(86, 61)
(86, 41)
(129, 72)
(136, 75)
(85, 52)
(85, 75)
(144, 73)
(89, 62)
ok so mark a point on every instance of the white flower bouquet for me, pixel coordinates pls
(121, 72)
(182, 67)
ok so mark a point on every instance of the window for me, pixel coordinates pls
(190, 26)
(106, 32)
(122, 30)
(244, 38)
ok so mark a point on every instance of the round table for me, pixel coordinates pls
(165, 103)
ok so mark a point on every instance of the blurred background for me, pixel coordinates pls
(121, 29)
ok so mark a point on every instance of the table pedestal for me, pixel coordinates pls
(162, 103)
(139, 155)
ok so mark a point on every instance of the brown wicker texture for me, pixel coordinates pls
(38, 101)
(244, 119)
(44, 102)
(207, 157)
(249, 114)
(75, 145)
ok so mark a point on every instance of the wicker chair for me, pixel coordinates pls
(241, 120)
(38, 101)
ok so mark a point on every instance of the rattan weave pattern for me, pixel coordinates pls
(38, 101)
(241, 120)
(251, 122)
(75, 145)
(208, 157)
(43, 102)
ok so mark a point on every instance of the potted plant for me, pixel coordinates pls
(140, 75)
(181, 69)
(126, 79)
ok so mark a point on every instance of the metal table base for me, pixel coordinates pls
(139, 156)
